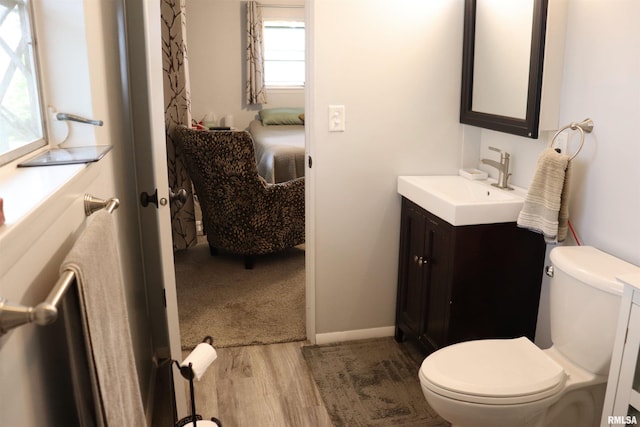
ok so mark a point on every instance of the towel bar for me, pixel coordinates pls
(74, 118)
(584, 126)
(13, 315)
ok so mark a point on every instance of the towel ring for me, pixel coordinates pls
(584, 126)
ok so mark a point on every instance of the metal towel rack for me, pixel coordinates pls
(14, 315)
(584, 126)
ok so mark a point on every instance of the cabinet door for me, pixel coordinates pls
(437, 244)
(411, 297)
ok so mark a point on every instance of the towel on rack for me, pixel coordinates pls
(546, 208)
(95, 261)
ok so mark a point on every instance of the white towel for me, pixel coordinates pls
(95, 261)
(546, 206)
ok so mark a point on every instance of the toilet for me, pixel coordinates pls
(512, 382)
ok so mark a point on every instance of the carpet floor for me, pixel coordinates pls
(370, 383)
(217, 296)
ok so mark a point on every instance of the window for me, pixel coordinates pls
(284, 53)
(21, 128)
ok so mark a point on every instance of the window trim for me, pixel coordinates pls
(36, 144)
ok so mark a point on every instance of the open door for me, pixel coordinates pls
(144, 59)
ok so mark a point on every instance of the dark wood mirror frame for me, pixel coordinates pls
(524, 127)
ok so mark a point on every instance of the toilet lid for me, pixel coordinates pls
(493, 371)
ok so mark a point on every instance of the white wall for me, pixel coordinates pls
(604, 85)
(216, 42)
(401, 99)
(396, 67)
(601, 68)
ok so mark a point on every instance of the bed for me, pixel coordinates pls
(279, 147)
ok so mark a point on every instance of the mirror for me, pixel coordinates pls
(503, 55)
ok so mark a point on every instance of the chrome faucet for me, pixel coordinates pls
(503, 168)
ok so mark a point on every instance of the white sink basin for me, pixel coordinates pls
(461, 201)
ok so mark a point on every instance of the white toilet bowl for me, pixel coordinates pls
(510, 382)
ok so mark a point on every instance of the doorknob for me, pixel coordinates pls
(179, 197)
(146, 198)
(420, 260)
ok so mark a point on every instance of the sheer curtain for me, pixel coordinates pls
(255, 89)
(177, 100)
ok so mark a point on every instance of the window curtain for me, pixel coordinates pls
(255, 89)
(177, 101)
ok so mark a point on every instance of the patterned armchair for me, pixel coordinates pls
(241, 213)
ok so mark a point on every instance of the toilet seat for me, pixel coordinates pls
(497, 371)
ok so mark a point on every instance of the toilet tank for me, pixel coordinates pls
(584, 304)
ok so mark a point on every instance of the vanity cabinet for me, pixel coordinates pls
(466, 282)
(622, 399)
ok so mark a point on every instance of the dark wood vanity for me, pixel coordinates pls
(466, 282)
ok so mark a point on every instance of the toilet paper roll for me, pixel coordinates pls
(228, 120)
(200, 358)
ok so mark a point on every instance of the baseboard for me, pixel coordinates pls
(359, 334)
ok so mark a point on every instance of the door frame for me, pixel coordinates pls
(310, 184)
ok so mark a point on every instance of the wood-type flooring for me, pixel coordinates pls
(260, 386)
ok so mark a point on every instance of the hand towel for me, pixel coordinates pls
(95, 261)
(546, 208)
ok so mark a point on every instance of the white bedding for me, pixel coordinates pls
(279, 151)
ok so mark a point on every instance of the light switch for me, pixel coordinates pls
(336, 118)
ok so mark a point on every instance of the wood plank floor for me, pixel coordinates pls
(260, 386)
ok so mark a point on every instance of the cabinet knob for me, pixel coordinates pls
(419, 260)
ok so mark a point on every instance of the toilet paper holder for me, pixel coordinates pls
(192, 367)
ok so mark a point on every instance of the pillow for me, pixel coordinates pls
(281, 116)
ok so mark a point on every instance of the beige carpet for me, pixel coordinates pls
(371, 383)
(217, 296)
